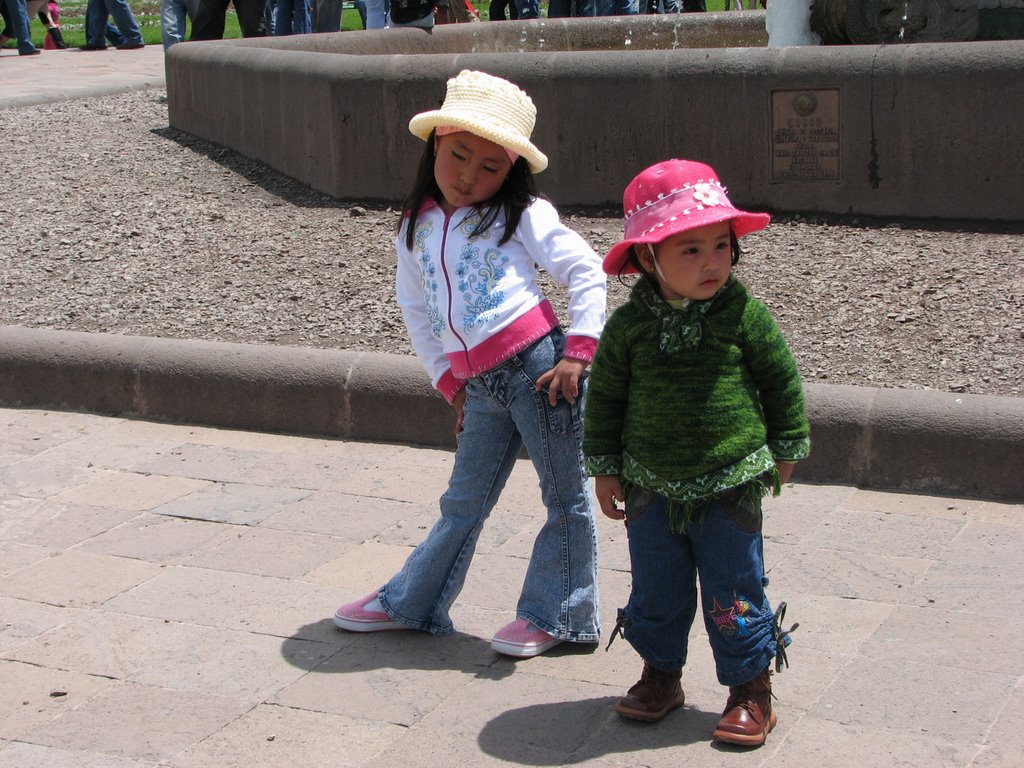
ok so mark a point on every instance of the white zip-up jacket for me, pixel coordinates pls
(470, 304)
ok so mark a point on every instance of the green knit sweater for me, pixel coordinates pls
(694, 402)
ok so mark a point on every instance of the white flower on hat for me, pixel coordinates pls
(705, 194)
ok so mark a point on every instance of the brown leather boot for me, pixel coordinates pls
(748, 715)
(653, 697)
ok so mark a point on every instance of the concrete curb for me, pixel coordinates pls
(927, 442)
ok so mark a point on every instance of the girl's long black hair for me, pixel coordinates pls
(512, 199)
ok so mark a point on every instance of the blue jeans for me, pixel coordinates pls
(725, 549)
(172, 19)
(98, 11)
(292, 18)
(20, 23)
(528, 9)
(376, 14)
(503, 412)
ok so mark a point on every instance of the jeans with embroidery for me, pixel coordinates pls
(504, 412)
(724, 548)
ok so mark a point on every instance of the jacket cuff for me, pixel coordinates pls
(449, 386)
(790, 450)
(603, 465)
(580, 348)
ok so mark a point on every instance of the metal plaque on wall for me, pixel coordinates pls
(805, 135)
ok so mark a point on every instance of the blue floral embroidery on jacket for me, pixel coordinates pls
(479, 270)
(428, 279)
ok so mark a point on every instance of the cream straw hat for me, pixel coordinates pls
(489, 107)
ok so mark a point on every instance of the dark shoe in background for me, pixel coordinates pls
(56, 36)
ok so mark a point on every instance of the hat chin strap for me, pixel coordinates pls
(650, 250)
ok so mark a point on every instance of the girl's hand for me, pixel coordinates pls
(459, 404)
(564, 378)
(608, 490)
(785, 469)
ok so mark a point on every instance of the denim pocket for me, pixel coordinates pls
(638, 501)
(564, 419)
(745, 514)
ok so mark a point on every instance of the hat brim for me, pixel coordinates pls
(742, 222)
(422, 124)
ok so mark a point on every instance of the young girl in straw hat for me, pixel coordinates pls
(472, 234)
(695, 412)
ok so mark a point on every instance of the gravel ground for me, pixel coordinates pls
(117, 224)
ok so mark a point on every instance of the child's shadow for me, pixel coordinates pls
(323, 648)
(540, 734)
(417, 662)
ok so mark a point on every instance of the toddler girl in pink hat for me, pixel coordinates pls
(695, 412)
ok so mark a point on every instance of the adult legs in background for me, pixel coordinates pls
(327, 15)
(98, 29)
(252, 17)
(527, 9)
(18, 13)
(292, 18)
(173, 15)
(208, 23)
(496, 10)
(97, 13)
(560, 9)
(376, 14)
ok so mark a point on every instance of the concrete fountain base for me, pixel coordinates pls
(924, 130)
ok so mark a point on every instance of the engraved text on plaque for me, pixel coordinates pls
(805, 135)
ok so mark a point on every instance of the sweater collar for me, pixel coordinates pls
(680, 328)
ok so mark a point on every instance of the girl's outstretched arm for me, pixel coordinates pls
(608, 490)
(564, 378)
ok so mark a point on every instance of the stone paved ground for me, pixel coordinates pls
(166, 592)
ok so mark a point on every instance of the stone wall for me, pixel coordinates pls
(922, 130)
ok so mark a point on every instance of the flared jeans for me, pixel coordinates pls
(503, 412)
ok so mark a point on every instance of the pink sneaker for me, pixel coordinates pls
(522, 640)
(365, 615)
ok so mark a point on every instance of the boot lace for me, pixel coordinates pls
(782, 637)
(621, 622)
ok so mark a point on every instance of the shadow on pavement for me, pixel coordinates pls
(525, 736)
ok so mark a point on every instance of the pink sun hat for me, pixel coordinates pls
(671, 197)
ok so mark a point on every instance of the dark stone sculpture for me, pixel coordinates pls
(916, 21)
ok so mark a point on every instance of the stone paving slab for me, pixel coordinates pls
(166, 596)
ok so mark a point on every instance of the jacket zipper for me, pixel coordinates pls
(448, 283)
